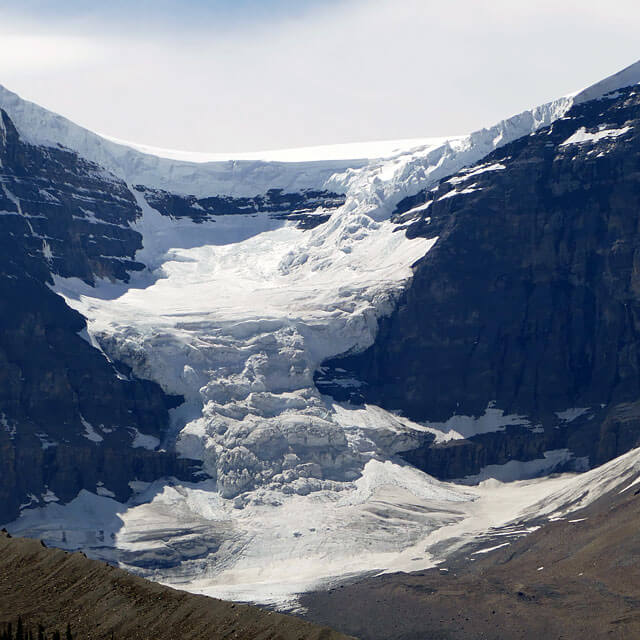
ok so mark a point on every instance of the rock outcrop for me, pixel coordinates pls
(308, 208)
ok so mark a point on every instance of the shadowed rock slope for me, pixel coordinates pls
(54, 587)
(69, 418)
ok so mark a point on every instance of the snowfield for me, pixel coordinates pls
(393, 518)
(237, 315)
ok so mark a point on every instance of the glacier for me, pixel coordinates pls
(237, 314)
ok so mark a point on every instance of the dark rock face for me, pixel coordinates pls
(68, 418)
(529, 299)
(460, 458)
(308, 208)
(63, 214)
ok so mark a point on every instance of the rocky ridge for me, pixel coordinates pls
(308, 208)
(99, 601)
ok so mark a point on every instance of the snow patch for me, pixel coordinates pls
(569, 415)
(465, 175)
(89, 432)
(45, 441)
(581, 136)
(458, 427)
(49, 496)
(482, 551)
(453, 192)
(144, 441)
(101, 490)
(9, 428)
(46, 251)
(520, 470)
(632, 484)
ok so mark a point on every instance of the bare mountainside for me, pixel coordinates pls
(54, 587)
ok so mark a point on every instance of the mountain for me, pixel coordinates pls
(252, 377)
(527, 304)
(55, 588)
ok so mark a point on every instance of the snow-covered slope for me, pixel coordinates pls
(414, 163)
(409, 164)
(346, 151)
(189, 174)
(394, 519)
(236, 315)
(627, 77)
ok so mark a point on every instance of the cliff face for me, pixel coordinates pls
(529, 302)
(308, 208)
(69, 419)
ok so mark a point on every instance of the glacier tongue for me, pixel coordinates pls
(239, 329)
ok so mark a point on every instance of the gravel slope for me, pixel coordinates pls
(53, 587)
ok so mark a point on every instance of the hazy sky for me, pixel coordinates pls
(235, 75)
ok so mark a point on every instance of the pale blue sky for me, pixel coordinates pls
(256, 74)
(193, 14)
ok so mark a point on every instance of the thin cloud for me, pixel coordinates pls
(347, 71)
